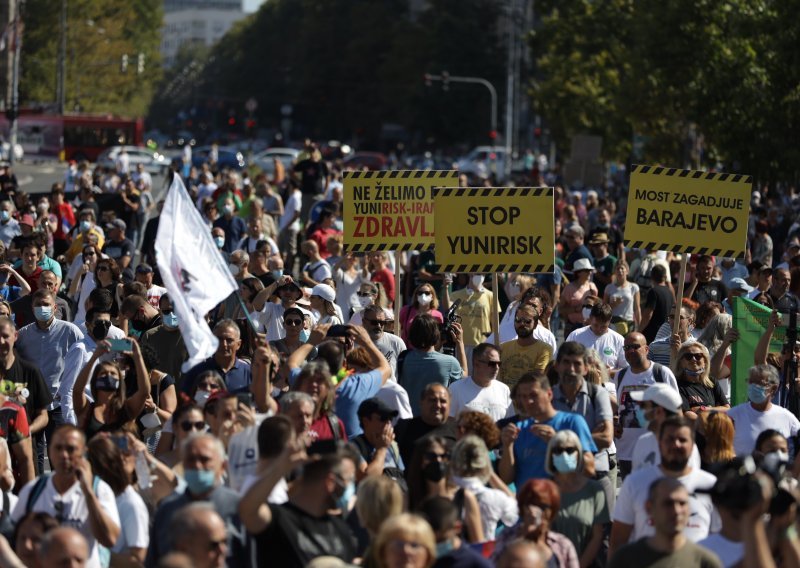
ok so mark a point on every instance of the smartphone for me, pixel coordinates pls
(121, 344)
(338, 331)
(121, 442)
(245, 398)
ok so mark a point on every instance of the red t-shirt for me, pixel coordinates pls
(66, 220)
(385, 277)
(13, 422)
(321, 430)
(320, 236)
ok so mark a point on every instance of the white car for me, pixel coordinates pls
(264, 159)
(19, 153)
(484, 161)
(154, 162)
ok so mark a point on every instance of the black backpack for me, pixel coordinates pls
(394, 473)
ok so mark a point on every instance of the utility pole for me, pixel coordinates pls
(510, 82)
(61, 72)
(15, 82)
(446, 79)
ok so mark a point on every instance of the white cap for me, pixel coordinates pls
(661, 395)
(324, 291)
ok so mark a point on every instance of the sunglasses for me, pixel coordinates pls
(559, 451)
(693, 356)
(376, 322)
(631, 347)
(365, 294)
(293, 322)
(189, 426)
(493, 364)
(523, 321)
(433, 456)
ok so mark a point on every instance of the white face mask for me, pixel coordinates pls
(201, 397)
(424, 299)
(234, 269)
(477, 281)
(586, 312)
(365, 301)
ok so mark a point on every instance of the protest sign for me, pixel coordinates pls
(687, 211)
(494, 229)
(391, 210)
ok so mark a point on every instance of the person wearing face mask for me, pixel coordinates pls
(697, 388)
(218, 236)
(235, 227)
(326, 481)
(166, 340)
(656, 403)
(584, 511)
(9, 227)
(758, 413)
(571, 302)
(203, 461)
(140, 315)
(424, 302)
(442, 515)
(475, 312)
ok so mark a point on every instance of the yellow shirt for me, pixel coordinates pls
(516, 360)
(76, 247)
(476, 314)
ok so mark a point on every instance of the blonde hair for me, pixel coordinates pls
(470, 458)
(406, 526)
(563, 437)
(378, 499)
(705, 378)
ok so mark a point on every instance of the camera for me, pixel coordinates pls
(446, 329)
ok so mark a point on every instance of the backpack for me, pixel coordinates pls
(333, 421)
(394, 473)
(658, 374)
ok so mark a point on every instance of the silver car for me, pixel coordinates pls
(264, 159)
(154, 162)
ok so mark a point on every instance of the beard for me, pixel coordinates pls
(524, 332)
(678, 464)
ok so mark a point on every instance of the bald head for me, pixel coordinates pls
(635, 346)
(521, 554)
(63, 546)
(201, 535)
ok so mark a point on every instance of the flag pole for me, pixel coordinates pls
(679, 298)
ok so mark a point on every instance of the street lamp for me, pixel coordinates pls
(446, 78)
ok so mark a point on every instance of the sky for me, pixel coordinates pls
(252, 5)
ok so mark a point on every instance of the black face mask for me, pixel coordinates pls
(100, 329)
(434, 471)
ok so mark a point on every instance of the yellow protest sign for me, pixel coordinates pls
(688, 211)
(494, 229)
(391, 210)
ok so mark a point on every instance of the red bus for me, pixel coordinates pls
(72, 136)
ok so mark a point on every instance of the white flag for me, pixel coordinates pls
(192, 269)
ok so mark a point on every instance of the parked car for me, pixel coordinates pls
(227, 157)
(287, 156)
(154, 162)
(484, 161)
(369, 160)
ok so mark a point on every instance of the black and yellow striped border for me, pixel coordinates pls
(401, 174)
(492, 192)
(690, 174)
(382, 246)
(469, 268)
(653, 246)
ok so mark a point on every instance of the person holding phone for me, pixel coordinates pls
(111, 409)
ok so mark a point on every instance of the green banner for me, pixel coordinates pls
(751, 320)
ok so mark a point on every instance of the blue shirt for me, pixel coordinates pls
(237, 380)
(48, 348)
(530, 450)
(351, 392)
(420, 368)
(235, 228)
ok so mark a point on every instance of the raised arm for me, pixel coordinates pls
(377, 360)
(135, 404)
(79, 402)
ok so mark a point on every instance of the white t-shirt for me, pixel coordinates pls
(204, 190)
(279, 494)
(243, 453)
(626, 294)
(292, 206)
(627, 418)
(750, 423)
(730, 552)
(494, 400)
(630, 507)
(136, 528)
(608, 345)
(270, 318)
(646, 452)
(72, 510)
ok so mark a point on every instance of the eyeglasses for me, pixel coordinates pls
(559, 451)
(525, 321)
(189, 426)
(693, 356)
(365, 294)
(631, 347)
(376, 322)
(433, 456)
(493, 364)
(293, 322)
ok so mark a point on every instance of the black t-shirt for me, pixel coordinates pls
(410, 430)
(313, 173)
(25, 374)
(119, 250)
(711, 291)
(659, 298)
(697, 394)
(295, 538)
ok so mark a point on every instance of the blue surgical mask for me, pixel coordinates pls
(219, 241)
(692, 373)
(304, 335)
(199, 481)
(106, 383)
(43, 313)
(4, 215)
(757, 394)
(276, 274)
(170, 320)
(85, 226)
(343, 501)
(443, 548)
(640, 417)
(565, 463)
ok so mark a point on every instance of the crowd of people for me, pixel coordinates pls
(329, 428)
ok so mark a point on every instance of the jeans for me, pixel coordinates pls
(55, 419)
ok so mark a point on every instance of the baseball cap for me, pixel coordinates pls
(26, 220)
(375, 405)
(144, 268)
(116, 224)
(324, 291)
(661, 395)
(741, 285)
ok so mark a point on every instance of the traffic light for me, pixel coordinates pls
(231, 121)
(140, 64)
(123, 66)
(493, 134)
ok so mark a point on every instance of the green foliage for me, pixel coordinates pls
(99, 33)
(728, 70)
